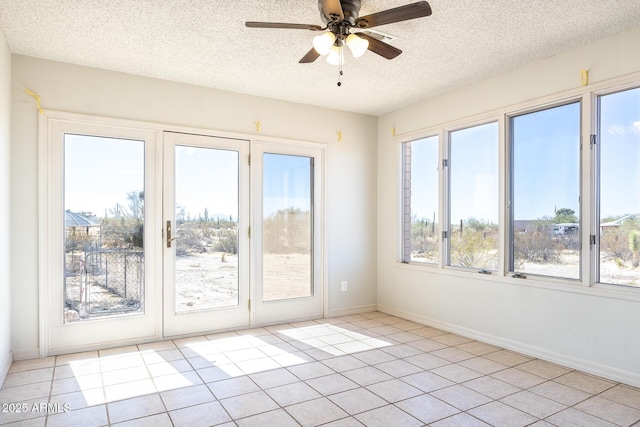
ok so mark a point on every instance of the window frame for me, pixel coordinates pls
(509, 140)
(588, 283)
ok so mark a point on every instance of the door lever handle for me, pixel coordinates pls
(169, 238)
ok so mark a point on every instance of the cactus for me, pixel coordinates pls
(634, 246)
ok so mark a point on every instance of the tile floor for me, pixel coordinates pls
(369, 369)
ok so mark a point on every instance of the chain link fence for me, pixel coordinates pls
(100, 282)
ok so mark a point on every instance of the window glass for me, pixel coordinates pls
(420, 207)
(474, 197)
(619, 221)
(104, 227)
(545, 203)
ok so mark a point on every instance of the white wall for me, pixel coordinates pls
(5, 294)
(598, 331)
(351, 166)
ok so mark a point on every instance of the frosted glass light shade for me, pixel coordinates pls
(335, 56)
(357, 45)
(322, 43)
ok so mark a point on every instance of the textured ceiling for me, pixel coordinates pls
(206, 43)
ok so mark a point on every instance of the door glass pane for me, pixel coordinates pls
(420, 200)
(474, 197)
(104, 227)
(545, 237)
(287, 227)
(206, 229)
(619, 124)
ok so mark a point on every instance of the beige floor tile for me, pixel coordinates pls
(331, 384)
(492, 387)
(324, 353)
(220, 372)
(427, 345)
(249, 404)
(353, 347)
(608, 410)
(560, 393)
(398, 368)
(507, 357)
(177, 381)
(427, 381)
(139, 407)
(34, 422)
(373, 357)
(427, 408)
(159, 420)
(232, 387)
(585, 382)
(291, 394)
(403, 337)
(543, 369)
(453, 354)
(69, 385)
(357, 400)
(533, 404)
(518, 378)
(94, 416)
(461, 397)
(157, 346)
(460, 420)
(310, 370)
(125, 375)
(623, 394)
(205, 414)
(30, 364)
(451, 339)
(82, 357)
(128, 390)
(293, 358)
(478, 348)
(394, 390)
(19, 411)
(168, 368)
(385, 330)
(28, 377)
(499, 414)
(367, 375)
(344, 363)
(573, 417)
(80, 399)
(23, 393)
(119, 351)
(188, 396)
(274, 378)
(483, 365)
(387, 416)
(427, 361)
(429, 332)
(272, 418)
(121, 361)
(456, 373)
(161, 356)
(266, 364)
(316, 412)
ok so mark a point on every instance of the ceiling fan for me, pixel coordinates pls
(340, 18)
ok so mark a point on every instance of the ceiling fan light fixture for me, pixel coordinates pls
(322, 43)
(335, 56)
(357, 45)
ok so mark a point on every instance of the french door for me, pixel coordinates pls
(288, 261)
(149, 234)
(205, 234)
(98, 246)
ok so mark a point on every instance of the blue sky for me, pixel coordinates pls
(100, 172)
(546, 164)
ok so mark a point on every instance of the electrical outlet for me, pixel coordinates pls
(344, 286)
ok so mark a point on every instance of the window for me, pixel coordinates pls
(420, 207)
(473, 218)
(619, 190)
(545, 192)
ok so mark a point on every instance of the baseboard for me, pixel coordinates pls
(352, 310)
(5, 365)
(31, 353)
(589, 367)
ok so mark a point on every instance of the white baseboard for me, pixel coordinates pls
(31, 353)
(352, 310)
(611, 373)
(5, 365)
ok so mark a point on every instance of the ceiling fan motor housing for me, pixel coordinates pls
(350, 9)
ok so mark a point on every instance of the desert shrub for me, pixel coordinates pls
(227, 241)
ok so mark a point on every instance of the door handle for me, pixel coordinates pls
(169, 238)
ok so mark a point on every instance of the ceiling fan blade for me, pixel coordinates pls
(285, 25)
(332, 9)
(381, 48)
(397, 14)
(311, 56)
